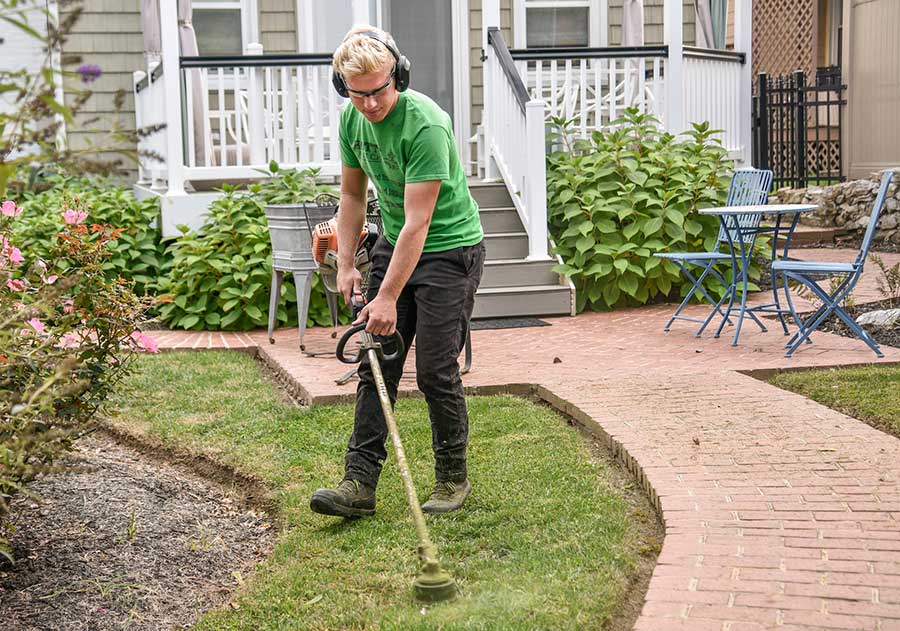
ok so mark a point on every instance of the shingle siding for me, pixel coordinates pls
(278, 26)
(107, 34)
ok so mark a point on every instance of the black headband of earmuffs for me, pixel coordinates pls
(401, 66)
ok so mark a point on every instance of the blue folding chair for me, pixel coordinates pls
(748, 187)
(806, 273)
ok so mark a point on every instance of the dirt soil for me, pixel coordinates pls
(884, 336)
(129, 542)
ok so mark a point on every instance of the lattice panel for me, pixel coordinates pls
(784, 33)
(823, 158)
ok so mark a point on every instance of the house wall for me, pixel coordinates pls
(278, 26)
(108, 34)
(873, 79)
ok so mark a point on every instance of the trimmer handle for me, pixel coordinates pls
(368, 341)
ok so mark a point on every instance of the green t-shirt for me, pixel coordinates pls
(414, 143)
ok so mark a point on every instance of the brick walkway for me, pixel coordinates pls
(779, 513)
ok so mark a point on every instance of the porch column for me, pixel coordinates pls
(673, 37)
(256, 113)
(136, 77)
(743, 43)
(168, 13)
(490, 17)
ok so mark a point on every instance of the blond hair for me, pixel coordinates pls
(358, 54)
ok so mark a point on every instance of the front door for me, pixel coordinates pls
(423, 30)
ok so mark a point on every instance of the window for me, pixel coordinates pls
(560, 23)
(224, 27)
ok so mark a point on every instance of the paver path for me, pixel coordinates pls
(779, 513)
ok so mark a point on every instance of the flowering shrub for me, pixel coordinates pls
(138, 254)
(66, 336)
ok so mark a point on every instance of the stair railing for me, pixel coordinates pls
(515, 139)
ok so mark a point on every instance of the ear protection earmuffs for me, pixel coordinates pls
(401, 66)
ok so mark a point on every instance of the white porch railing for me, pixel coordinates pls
(712, 92)
(243, 112)
(515, 138)
(593, 86)
(150, 111)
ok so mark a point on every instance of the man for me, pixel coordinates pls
(427, 264)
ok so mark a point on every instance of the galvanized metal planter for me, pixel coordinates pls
(290, 231)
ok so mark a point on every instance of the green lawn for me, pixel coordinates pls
(869, 393)
(547, 540)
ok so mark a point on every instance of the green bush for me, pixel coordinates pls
(624, 194)
(221, 275)
(138, 254)
(66, 335)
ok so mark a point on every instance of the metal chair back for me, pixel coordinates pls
(749, 187)
(877, 207)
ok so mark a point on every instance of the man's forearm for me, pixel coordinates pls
(349, 225)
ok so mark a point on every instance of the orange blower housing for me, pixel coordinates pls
(324, 240)
(325, 250)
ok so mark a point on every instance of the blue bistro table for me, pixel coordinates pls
(742, 224)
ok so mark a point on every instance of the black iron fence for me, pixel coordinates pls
(797, 127)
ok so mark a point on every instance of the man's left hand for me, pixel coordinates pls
(380, 316)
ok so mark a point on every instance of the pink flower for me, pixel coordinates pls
(69, 340)
(15, 256)
(10, 209)
(51, 279)
(36, 324)
(14, 284)
(68, 306)
(73, 217)
(145, 342)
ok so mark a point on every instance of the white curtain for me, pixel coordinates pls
(188, 40)
(150, 29)
(712, 21)
(633, 23)
(632, 35)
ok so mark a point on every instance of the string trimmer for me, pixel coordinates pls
(433, 583)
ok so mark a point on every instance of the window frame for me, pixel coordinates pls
(598, 21)
(249, 12)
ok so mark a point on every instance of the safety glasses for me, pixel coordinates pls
(359, 94)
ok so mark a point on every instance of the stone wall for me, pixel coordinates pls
(848, 205)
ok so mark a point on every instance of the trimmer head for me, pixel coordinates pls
(435, 585)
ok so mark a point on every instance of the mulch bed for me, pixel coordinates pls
(884, 336)
(127, 542)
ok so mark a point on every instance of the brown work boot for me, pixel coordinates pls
(447, 496)
(351, 498)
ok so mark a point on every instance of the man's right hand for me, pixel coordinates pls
(349, 282)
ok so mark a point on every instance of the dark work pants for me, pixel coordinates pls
(434, 308)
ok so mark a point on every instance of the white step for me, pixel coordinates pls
(532, 300)
(500, 220)
(506, 245)
(518, 273)
(493, 195)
